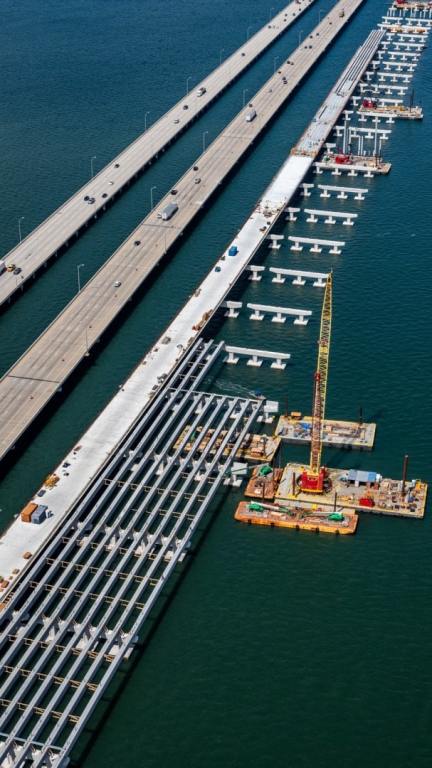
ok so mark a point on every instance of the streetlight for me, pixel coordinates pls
(319, 15)
(91, 164)
(187, 84)
(87, 353)
(222, 50)
(270, 12)
(300, 36)
(203, 138)
(276, 59)
(247, 31)
(145, 119)
(245, 90)
(151, 197)
(78, 276)
(19, 227)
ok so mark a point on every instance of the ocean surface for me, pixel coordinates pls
(277, 648)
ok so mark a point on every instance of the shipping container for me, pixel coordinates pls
(40, 514)
(27, 511)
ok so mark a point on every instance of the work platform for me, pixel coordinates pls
(396, 113)
(62, 226)
(368, 166)
(289, 515)
(370, 493)
(264, 482)
(335, 433)
(40, 373)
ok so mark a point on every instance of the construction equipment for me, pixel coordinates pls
(314, 479)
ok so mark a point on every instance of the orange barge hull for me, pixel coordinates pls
(297, 521)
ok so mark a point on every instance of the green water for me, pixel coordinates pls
(277, 649)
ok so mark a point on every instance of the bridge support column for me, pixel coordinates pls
(278, 318)
(254, 361)
(232, 359)
(296, 247)
(278, 364)
(301, 320)
(278, 279)
(256, 315)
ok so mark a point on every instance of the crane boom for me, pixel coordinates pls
(313, 478)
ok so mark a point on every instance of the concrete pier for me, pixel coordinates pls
(300, 276)
(330, 217)
(317, 244)
(342, 192)
(256, 357)
(279, 314)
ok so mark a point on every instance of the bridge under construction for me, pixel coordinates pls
(136, 490)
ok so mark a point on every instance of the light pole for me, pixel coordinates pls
(151, 197)
(78, 276)
(222, 50)
(270, 12)
(247, 31)
(245, 90)
(203, 138)
(300, 36)
(320, 15)
(87, 353)
(19, 227)
(91, 165)
(275, 60)
(145, 119)
(187, 84)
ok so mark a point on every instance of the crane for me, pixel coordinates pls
(313, 479)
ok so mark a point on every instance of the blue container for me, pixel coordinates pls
(233, 251)
(39, 515)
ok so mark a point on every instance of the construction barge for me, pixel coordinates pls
(357, 489)
(369, 165)
(306, 496)
(290, 515)
(297, 429)
(394, 112)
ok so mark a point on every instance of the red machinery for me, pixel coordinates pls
(369, 104)
(343, 159)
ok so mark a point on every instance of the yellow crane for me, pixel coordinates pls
(313, 479)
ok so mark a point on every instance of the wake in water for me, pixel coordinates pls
(236, 389)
